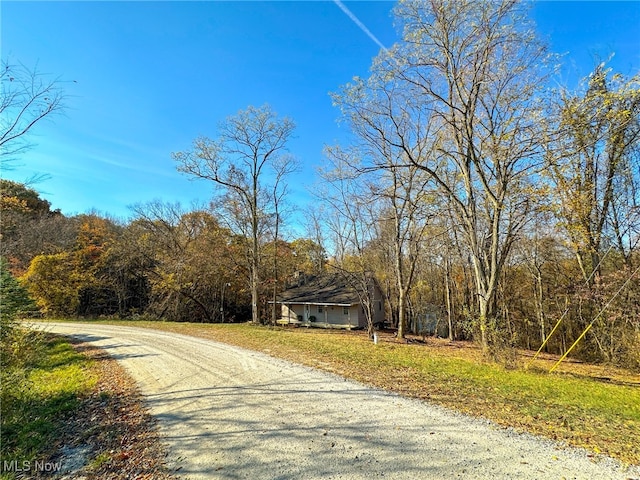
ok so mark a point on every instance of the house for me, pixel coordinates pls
(328, 300)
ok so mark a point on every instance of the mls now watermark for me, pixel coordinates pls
(33, 466)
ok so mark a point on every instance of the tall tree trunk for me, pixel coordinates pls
(399, 277)
(447, 290)
(401, 313)
(255, 280)
(540, 306)
(483, 321)
(275, 268)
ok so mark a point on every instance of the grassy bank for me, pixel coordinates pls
(38, 394)
(583, 405)
(59, 398)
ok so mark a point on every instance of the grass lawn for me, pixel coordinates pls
(584, 405)
(37, 397)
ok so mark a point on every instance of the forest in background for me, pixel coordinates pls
(471, 188)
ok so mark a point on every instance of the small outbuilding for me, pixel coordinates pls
(328, 300)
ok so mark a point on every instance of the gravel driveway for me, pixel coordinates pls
(231, 413)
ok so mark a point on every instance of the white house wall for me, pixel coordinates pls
(291, 312)
(325, 315)
(378, 313)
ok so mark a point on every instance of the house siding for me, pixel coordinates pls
(331, 316)
(290, 312)
(378, 313)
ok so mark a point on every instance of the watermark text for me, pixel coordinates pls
(33, 466)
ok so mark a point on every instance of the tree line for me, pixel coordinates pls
(472, 189)
(168, 262)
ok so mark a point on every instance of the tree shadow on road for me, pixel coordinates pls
(296, 428)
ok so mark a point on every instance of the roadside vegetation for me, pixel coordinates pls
(42, 385)
(590, 406)
(66, 407)
(72, 409)
(42, 379)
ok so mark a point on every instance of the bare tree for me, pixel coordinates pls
(283, 166)
(26, 98)
(350, 217)
(407, 208)
(457, 97)
(314, 247)
(239, 163)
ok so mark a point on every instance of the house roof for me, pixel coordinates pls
(323, 289)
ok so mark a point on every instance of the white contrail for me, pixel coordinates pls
(360, 25)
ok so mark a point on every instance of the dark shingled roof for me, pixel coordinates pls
(328, 288)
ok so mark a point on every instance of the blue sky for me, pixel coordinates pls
(144, 79)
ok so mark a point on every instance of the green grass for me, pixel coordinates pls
(37, 396)
(576, 405)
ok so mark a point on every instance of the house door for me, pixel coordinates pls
(307, 310)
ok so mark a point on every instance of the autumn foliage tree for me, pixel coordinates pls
(29, 226)
(72, 282)
(594, 167)
(190, 262)
(54, 283)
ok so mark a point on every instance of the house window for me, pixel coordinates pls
(345, 310)
(320, 309)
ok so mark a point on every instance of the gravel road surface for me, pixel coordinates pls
(231, 413)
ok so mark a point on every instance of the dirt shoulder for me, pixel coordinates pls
(111, 435)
